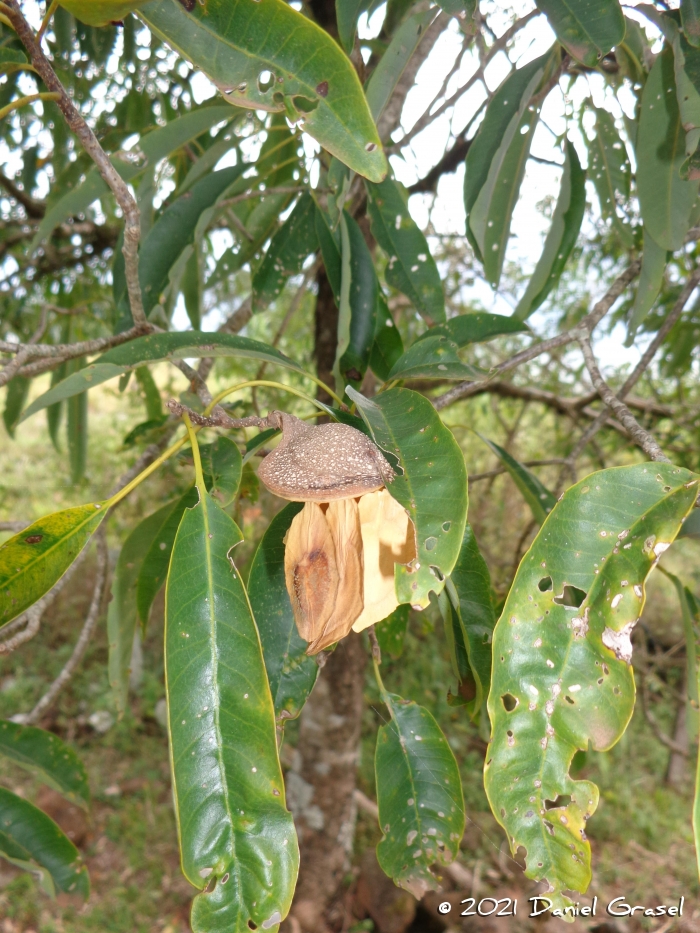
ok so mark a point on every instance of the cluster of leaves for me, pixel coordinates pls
(236, 668)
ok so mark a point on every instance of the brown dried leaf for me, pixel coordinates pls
(310, 571)
(387, 538)
(343, 519)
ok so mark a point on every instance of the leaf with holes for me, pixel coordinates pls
(535, 493)
(388, 345)
(500, 123)
(419, 795)
(121, 612)
(666, 201)
(153, 349)
(154, 566)
(410, 269)
(295, 240)
(292, 674)
(472, 614)
(32, 841)
(237, 839)
(432, 486)
(32, 561)
(561, 658)
(588, 29)
(561, 238)
(267, 56)
(391, 632)
(610, 172)
(48, 757)
(222, 462)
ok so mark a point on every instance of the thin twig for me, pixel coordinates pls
(639, 435)
(218, 418)
(14, 526)
(76, 122)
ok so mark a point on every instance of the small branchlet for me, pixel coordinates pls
(218, 418)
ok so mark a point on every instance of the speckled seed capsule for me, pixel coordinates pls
(319, 463)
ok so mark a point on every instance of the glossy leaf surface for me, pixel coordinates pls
(432, 487)
(391, 632)
(561, 673)
(588, 29)
(434, 357)
(347, 13)
(292, 674)
(665, 199)
(36, 558)
(419, 795)
(222, 462)
(29, 837)
(122, 613)
(411, 269)
(561, 238)
(387, 347)
(237, 840)
(154, 348)
(295, 240)
(48, 757)
(258, 56)
(535, 493)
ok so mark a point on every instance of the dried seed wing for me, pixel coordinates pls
(343, 517)
(310, 571)
(388, 538)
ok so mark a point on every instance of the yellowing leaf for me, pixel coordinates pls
(101, 12)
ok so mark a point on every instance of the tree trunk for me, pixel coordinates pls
(321, 786)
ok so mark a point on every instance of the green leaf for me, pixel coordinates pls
(295, 240)
(419, 795)
(562, 683)
(156, 145)
(292, 674)
(77, 435)
(469, 591)
(690, 18)
(490, 217)
(588, 29)
(155, 348)
(12, 60)
(237, 839)
(475, 327)
(393, 63)
(121, 612)
(388, 345)
(537, 496)
(48, 757)
(29, 837)
(222, 462)
(433, 357)
(347, 13)
(432, 487)
(364, 295)
(15, 400)
(561, 239)
(391, 632)
(258, 56)
(154, 403)
(54, 413)
(191, 290)
(32, 561)
(665, 199)
(154, 567)
(651, 280)
(499, 125)
(411, 269)
(610, 172)
(691, 526)
(100, 12)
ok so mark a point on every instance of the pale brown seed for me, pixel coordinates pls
(343, 518)
(310, 571)
(321, 463)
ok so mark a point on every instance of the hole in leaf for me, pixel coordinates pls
(562, 800)
(252, 926)
(572, 597)
(446, 526)
(210, 887)
(545, 584)
(569, 700)
(503, 812)
(304, 105)
(616, 691)
(549, 827)
(266, 79)
(278, 97)
(509, 702)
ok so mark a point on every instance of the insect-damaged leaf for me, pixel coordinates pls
(419, 795)
(259, 56)
(391, 632)
(561, 652)
(291, 672)
(388, 345)
(432, 487)
(36, 558)
(237, 839)
(292, 243)
(48, 757)
(535, 493)
(588, 29)
(122, 612)
(411, 269)
(561, 238)
(610, 172)
(32, 841)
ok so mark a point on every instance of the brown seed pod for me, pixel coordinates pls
(310, 571)
(320, 463)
